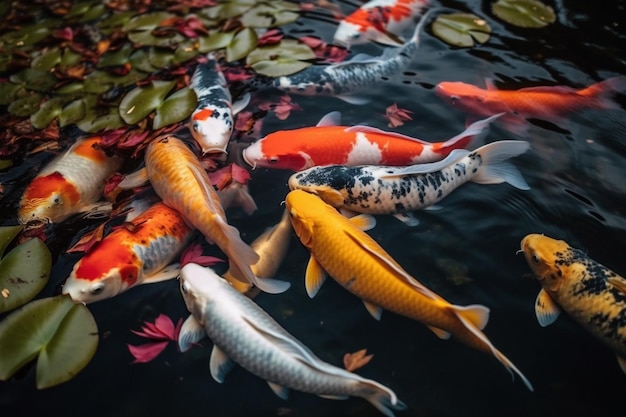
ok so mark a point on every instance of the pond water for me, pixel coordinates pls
(465, 251)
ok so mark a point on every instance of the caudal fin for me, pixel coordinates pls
(603, 91)
(494, 169)
(381, 397)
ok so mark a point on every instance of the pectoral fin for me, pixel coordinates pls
(374, 310)
(618, 282)
(279, 390)
(220, 364)
(407, 218)
(136, 179)
(442, 334)
(334, 397)
(169, 272)
(314, 277)
(191, 333)
(364, 222)
(241, 104)
(546, 309)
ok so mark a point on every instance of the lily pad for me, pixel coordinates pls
(524, 13)
(185, 51)
(46, 113)
(241, 44)
(271, 14)
(101, 81)
(29, 35)
(26, 105)
(140, 101)
(35, 80)
(5, 163)
(116, 58)
(215, 40)
(73, 112)
(24, 271)
(47, 60)
(115, 20)
(284, 58)
(461, 29)
(175, 108)
(8, 92)
(99, 118)
(140, 30)
(62, 334)
(227, 9)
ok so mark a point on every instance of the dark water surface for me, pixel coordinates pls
(466, 252)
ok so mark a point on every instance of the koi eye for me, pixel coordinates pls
(273, 160)
(535, 258)
(183, 287)
(195, 126)
(57, 200)
(356, 36)
(96, 289)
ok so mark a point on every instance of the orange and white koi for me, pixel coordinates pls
(340, 248)
(589, 292)
(328, 144)
(551, 103)
(179, 179)
(138, 252)
(380, 21)
(71, 183)
(212, 122)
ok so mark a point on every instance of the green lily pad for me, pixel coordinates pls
(24, 271)
(227, 9)
(47, 112)
(215, 40)
(175, 108)
(524, 13)
(141, 101)
(72, 112)
(8, 92)
(185, 51)
(116, 58)
(265, 15)
(241, 45)
(62, 334)
(71, 88)
(97, 119)
(140, 30)
(35, 80)
(160, 57)
(5, 163)
(47, 60)
(25, 106)
(284, 58)
(7, 234)
(69, 58)
(30, 34)
(101, 81)
(114, 21)
(461, 29)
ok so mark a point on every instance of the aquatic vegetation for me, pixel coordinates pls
(286, 57)
(461, 29)
(524, 13)
(161, 332)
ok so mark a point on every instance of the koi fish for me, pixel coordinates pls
(211, 122)
(178, 178)
(379, 21)
(327, 144)
(343, 79)
(589, 292)
(340, 248)
(376, 189)
(546, 103)
(271, 246)
(137, 252)
(70, 184)
(243, 333)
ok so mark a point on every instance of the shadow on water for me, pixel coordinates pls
(465, 251)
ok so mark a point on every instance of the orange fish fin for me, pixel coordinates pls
(314, 277)
(546, 310)
(331, 196)
(373, 309)
(476, 314)
(618, 282)
(135, 179)
(169, 272)
(622, 363)
(363, 221)
(442, 334)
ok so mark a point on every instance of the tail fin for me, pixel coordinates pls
(603, 90)
(471, 137)
(381, 397)
(411, 46)
(494, 170)
(462, 316)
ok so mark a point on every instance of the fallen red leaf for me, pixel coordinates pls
(193, 254)
(146, 352)
(397, 116)
(88, 240)
(356, 360)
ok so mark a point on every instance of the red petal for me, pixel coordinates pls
(146, 352)
(166, 326)
(239, 174)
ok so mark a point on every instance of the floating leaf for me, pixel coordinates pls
(140, 30)
(284, 58)
(524, 13)
(24, 271)
(139, 102)
(35, 80)
(356, 360)
(71, 88)
(29, 35)
(72, 112)
(185, 51)
(47, 60)
(227, 9)
(5, 163)
(47, 112)
(461, 29)
(8, 92)
(101, 81)
(62, 334)
(25, 106)
(214, 41)
(118, 57)
(242, 43)
(114, 21)
(69, 58)
(98, 117)
(177, 107)
(7, 234)
(271, 14)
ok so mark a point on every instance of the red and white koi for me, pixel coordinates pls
(212, 122)
(380, 21)
(135, 253)
(71, 183)
(179, 179)
(375, 189)
(327, 144)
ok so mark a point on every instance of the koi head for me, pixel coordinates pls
(464, 96)
(544, 256)
(88, 291)
(269, 153)
(348, 34)
(198, 285)
(211, 128)
(303, 210)
(50, 199)
(318, 182)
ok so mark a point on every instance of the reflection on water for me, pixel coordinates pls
(465, 251)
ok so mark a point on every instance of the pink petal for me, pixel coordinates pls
(165, 325)
(270, 37)
(313, 41)
(66, 34)
(133, 140)
(193, 254)
(146, 352)
(239, 174)
(242, 120)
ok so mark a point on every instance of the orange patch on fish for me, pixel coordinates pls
(203, 114)
(94, 266)
(87, 150)
(44, 187)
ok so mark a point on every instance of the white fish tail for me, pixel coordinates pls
(498, 355)
(494, 169)
(241, 257)
(476, 132)
(381, 397)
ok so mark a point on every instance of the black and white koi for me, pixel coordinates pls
(212, 122)
(377, 189)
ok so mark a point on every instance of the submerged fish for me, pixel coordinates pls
(399, 190)
(178, 178)
(344, 79)
(212, 123)
(135, 253)
(271, 246)
(71, 183)
(245, 334)
(340, 248)
(327, 144)
(589, 292)
(547, 103)
(378, 20)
